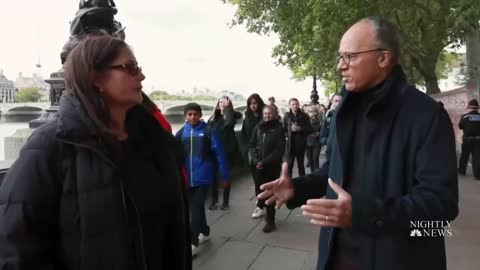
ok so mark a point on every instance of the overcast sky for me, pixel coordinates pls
(181, 44)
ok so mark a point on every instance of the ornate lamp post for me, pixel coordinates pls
(93, 16)
(314, 93)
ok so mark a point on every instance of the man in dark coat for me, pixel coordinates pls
(334, 103)
(390, 180)
(297, 127)
(470, 124)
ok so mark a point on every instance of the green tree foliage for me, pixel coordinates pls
(331, 87)
(445, 63)
(332, 82)
(310, 30)
(163, 95)
(30, 94)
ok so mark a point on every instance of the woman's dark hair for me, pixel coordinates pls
(91, 58)
(217, 114)
(258, 99)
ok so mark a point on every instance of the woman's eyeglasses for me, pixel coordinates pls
(132, 69)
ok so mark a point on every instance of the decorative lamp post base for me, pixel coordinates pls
(48, 115)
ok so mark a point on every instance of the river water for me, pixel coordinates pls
(8, 129)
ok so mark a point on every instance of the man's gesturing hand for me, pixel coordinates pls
(278, 191)
(330, 213)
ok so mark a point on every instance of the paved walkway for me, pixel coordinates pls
(238, 243)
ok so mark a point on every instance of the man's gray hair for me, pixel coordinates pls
(273, 109)
(387, 35)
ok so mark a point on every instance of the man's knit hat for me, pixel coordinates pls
(473, 104)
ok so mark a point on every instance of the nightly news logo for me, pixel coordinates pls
(431, 228)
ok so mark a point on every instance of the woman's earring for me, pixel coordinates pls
(101, 90)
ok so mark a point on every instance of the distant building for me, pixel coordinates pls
(7, 89)
(33, 82)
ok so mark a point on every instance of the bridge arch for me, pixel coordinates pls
(22, 113)
(174, 113)
(241, 109)
(179, 108)
(25, 108)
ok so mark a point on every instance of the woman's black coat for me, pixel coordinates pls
(63, 202)
(267, 145)
(249, 123)
(224, 125)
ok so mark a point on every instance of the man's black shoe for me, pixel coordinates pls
(269, 227)
(225, 206)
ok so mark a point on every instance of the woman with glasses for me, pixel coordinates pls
(99, 187)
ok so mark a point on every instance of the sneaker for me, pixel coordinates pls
(269, 227)
(194, 250)
(212, 206)
(225, 206)
(258, 213)
(202, 238)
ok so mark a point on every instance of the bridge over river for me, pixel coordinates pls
(173, 109)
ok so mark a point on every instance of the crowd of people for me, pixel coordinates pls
(211, 150)
(107, 185)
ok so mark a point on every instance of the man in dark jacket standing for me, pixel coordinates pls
(390, 178)
(297, 127)
(470, 124)
(334, 103)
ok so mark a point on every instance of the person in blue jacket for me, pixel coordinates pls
(204, 153)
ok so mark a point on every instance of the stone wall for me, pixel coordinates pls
(455, 102)
(13, 144)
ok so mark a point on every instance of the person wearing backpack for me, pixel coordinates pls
(204, 153)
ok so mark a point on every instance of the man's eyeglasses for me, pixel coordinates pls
(347, 57)
(132, 69)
